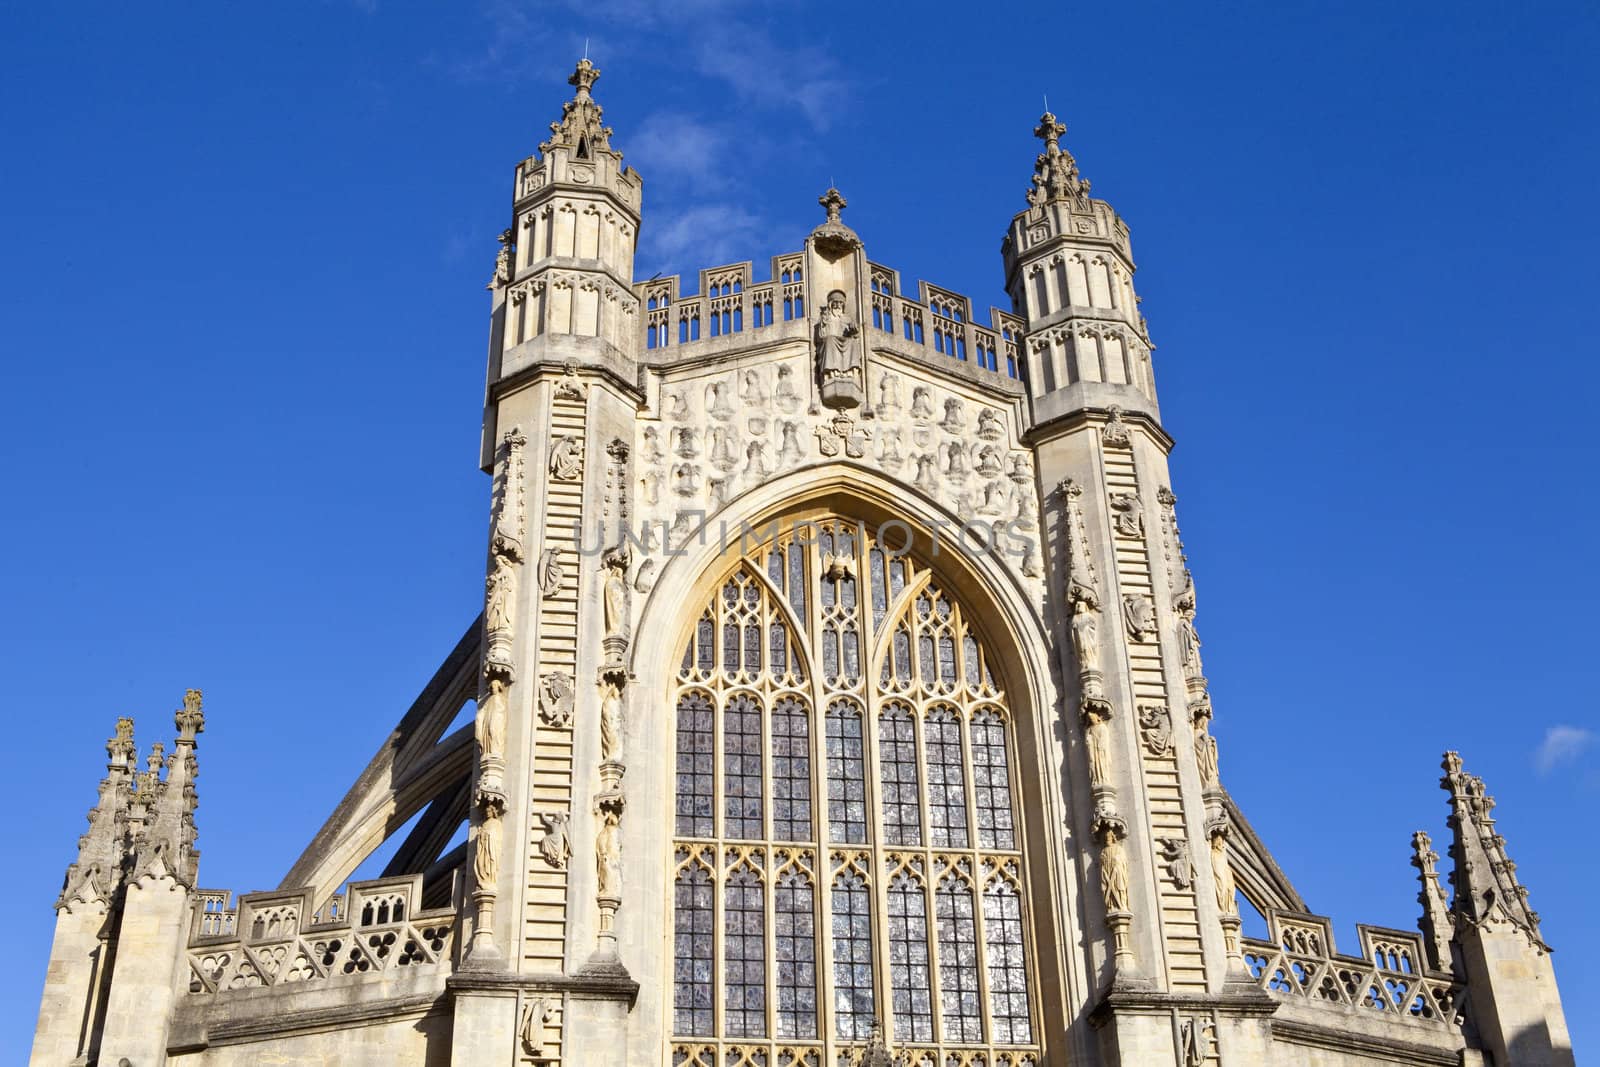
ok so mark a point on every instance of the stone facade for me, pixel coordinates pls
(838, 699)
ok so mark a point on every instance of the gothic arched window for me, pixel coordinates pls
(846, 832)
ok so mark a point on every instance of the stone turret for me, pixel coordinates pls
(563, 279)
(1069, 272)
(1502, 955)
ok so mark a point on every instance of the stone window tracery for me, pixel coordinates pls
(847, 849)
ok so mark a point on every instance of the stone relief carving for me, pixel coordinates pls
(1139, 615)
(753, 389)
(1115, 433)
(555, 846)
(556, 697)
(645, 578)
(839, 366)
(717, 405)
(990, 428)
(954, 420)
(888, 394)
(1192, 1042)
(1155, 729)
(788, 397)
(569, 386)
(551, 573)
(566, 458)
(536, 1017)
(1180, 868)
(921, 404)
(1125, 515)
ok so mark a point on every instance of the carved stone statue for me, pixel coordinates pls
(608, 851)
(611, 722)
(1085, 629)
(1139, 615)
(615, 593)
(498, 587)
(555, 846)
(1205, 752)
(486, 848)
(1097, 741)
(1113, 868)
(550, 572)
(1175, 851)
(566, 458)
(1221, 871)
(538, 1014)
(839, 365)
(556, 698)
(490, 724)
(788, 396)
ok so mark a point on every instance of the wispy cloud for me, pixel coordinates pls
(671, 146)
(1562, 745)
(702, 236)
(765, 72)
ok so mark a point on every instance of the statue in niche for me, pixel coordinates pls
(1221, 871)
(555, 846)
(615, 591)
(486, 848)
(788, 395)
(1085, 624)
(1188, 636)
(1113, 867)
(1205, 752)
(839, 355)
(566, 459)
(490, 724)
(499, 586)
(1097, 741)
(608, 848)
(611, 723)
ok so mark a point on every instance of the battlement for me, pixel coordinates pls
(1390, 978)
(280, 938)
(730, 301)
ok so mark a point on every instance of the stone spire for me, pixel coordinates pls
(97, 872)
(1435, 921)
(167, 845)
(1485, 878)
(1055, 172)
(581, 128)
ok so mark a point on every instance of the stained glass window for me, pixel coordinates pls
(846, 814)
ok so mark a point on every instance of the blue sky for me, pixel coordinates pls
(241, 292)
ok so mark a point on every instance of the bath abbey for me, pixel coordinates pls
(834, 697)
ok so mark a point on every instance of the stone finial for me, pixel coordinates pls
(1486, 889)
(584, 77)
(1055, 174)
(833, 202)
(97, 872)
(1435, 919)
(581, 127)
(191, 718)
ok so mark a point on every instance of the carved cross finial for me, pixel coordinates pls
(1423, 856)
(833, 203)
(584, 77)
(1050, 131)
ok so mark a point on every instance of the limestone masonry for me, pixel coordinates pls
(837, 699)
